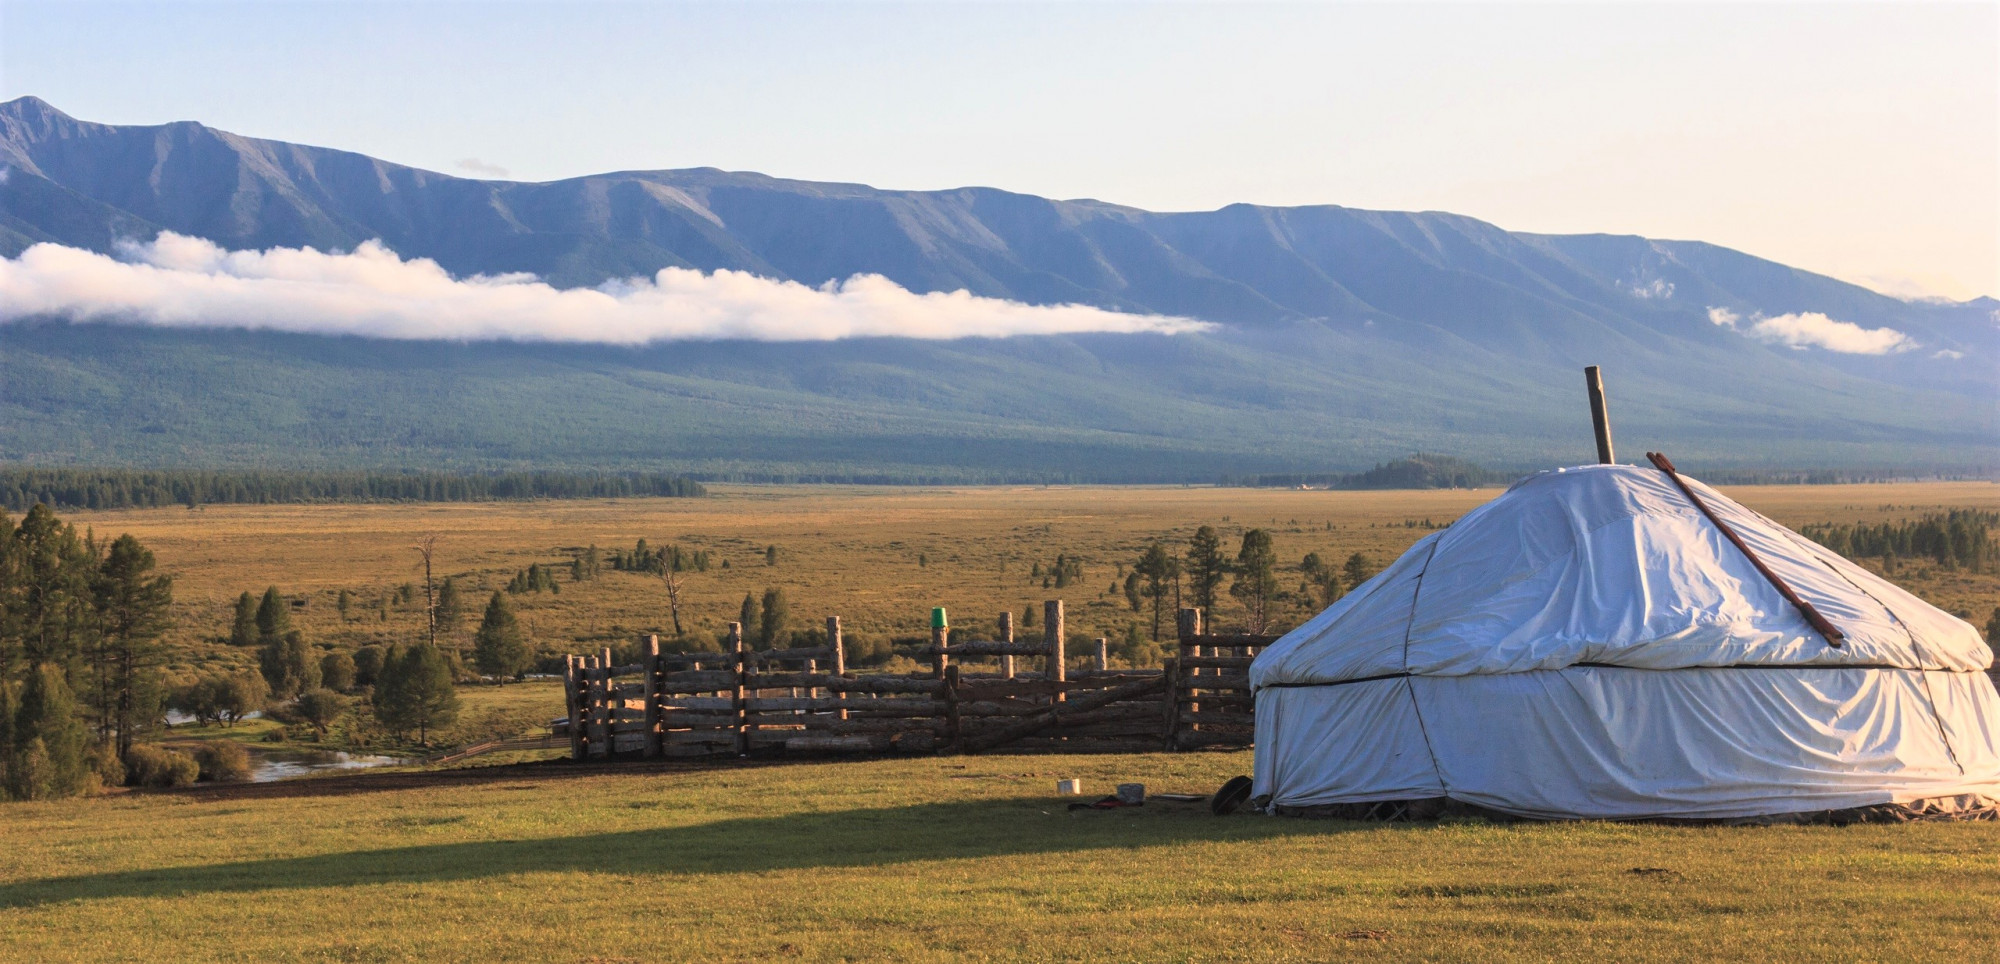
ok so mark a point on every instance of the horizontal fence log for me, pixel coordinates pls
(1229, 639)
(808, 652)
(981, 648)
(1189, 683)
(1237, 699)
(845, 684)
(1019, 688)
(1201, 739)
(1240, 664)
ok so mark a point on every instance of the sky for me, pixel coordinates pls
(1856, 140)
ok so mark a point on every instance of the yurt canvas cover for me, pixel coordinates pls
(1590, 645)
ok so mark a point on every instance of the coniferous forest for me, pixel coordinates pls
(152, 488)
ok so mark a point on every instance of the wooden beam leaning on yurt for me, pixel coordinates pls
(1826, 628)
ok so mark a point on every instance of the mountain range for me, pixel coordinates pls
(1342, 337)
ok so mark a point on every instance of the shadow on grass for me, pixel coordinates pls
(851, 838)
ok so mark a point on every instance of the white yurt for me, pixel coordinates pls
(1592, 644)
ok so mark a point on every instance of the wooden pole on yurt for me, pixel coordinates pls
(1600, 419)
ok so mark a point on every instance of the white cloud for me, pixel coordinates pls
(177, 281)
(1814, 330)
(1948, 354)
(5, 173)
(481, 168)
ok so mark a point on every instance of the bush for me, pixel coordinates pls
(336, 672)
(104, 760)
(225, 761)
(320, 709)
(147, 765)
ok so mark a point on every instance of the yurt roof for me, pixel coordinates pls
(1612, 565)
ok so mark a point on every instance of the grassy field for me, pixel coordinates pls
(909, 859)
(950, 858)
(878, 557)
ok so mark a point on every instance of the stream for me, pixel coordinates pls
(282, 763)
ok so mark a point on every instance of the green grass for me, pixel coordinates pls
(967, 858)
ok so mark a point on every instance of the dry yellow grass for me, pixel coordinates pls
(878, 557)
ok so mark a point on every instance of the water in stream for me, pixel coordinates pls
(281, 763)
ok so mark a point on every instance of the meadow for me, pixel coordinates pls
(879, 557)
(967, 858)
(913, 859)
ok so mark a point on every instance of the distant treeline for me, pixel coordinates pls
(136, 488)
(1416, 472)
(1445, 472)
(1958, 538)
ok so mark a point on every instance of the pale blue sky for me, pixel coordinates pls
(1858, 140)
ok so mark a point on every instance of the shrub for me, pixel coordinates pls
(320, 709)
(104, 761)
(147, 765)
(336, 672)
(225, 761)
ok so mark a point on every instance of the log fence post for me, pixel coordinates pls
(1188, 624)
(1052, 640)
(598, 709)
(571, 682)
(1007, 636)
(1103, 654)
(837, 645)
(953, 733)
(649, 673)
(741, 698)
(940, 642)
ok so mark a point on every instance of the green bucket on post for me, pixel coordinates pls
(937, 618)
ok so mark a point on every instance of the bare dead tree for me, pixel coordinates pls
(427, 547)
(670, 576)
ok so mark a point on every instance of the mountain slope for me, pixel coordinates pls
(1348, 335)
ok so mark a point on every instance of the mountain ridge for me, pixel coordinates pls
(1316, 303)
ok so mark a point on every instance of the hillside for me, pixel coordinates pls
(1347, 337)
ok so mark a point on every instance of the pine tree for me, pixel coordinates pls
(1359, 569)
(500, 648)
(749, 616)
(771, 627)
(387, 698)
(1993, 628)
(424, 693)
(345, 604)
(450, 609)
(1161, 571)
(9, 708)
(51, 743)
(274, 618)
(132, 606)
(1256, 577)
(243, 631)
(1206, 568)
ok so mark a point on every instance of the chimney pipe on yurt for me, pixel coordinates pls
(1600, 419)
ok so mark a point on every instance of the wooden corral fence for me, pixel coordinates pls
(977, 695)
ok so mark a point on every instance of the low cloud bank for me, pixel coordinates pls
(178, 281)
(1814, 330)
